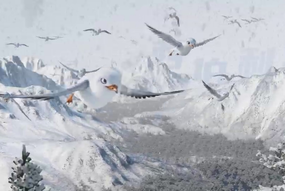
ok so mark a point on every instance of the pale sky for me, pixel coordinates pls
(200, 19)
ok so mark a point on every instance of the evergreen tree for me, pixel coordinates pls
(26, 175)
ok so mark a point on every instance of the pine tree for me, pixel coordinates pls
(26, 175)
(276, 160)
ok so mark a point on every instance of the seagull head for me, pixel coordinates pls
(107, 81)
(191, 42)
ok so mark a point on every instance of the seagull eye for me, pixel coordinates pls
(188, 42)
(103, 81)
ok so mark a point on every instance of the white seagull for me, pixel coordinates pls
(183, 48)
(94, 32)
(174, 16)
(95, 90)
(49, 38)
(218, 96)
(79, 73)
(17, 45)
(229, 78)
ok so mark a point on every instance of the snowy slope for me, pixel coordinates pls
(153, 75)
(255, 108)
(71, 148)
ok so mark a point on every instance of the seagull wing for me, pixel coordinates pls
(41, 37)
(143, 94)
(206, 41)
(24, 45)
(238, 23)
(172, 9)
(93, 70)
(223, 75)
(177, 18)
(78, 87)
(11, 44)
(211, 90)
(68, 68)
(105, 31)
(165, 37)
(93, 30)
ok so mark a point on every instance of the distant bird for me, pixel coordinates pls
(218, 96)
(235, 22)
(17, 45)
(183, 48)
(173, 16)
(94, 32)
(79, 73)
(226, 17)
(229, 78)
(246, 20)
(49, 38)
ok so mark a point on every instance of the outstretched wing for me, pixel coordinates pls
(41, 37)
(165, 37)
(93, 70)
(143, 94)
(68, 68)
(206, 41)
(177, 18)
(93, 30)
(211, 90)
(78, 87)
(172, 9)
(24, 45)
(105, 31)
(222, 75)
(11, 44)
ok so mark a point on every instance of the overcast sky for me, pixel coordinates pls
(22, 22)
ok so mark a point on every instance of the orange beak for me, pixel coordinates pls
(191, 45)
(113, 87)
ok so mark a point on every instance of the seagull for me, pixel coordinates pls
(174, 16)
(49, 38)
(235, 21)
(79, 73)
(229, 78)
(95, 91)
(94, 32)
(226, 17)
(17, 45)
(218, 96)
(183, 48)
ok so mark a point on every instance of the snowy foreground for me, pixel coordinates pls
(73, 144)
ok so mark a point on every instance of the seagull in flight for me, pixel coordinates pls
(174, 16)
(235, 22)
(79, 73)
(182, 48)
(49, 38)
(17, 45)
(256, 19)
(229, 78)
(95, 90)
(94, 32)
(217, 95)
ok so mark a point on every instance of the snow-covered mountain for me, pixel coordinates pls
(254, 109)
(72, 148)
(153, 75)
